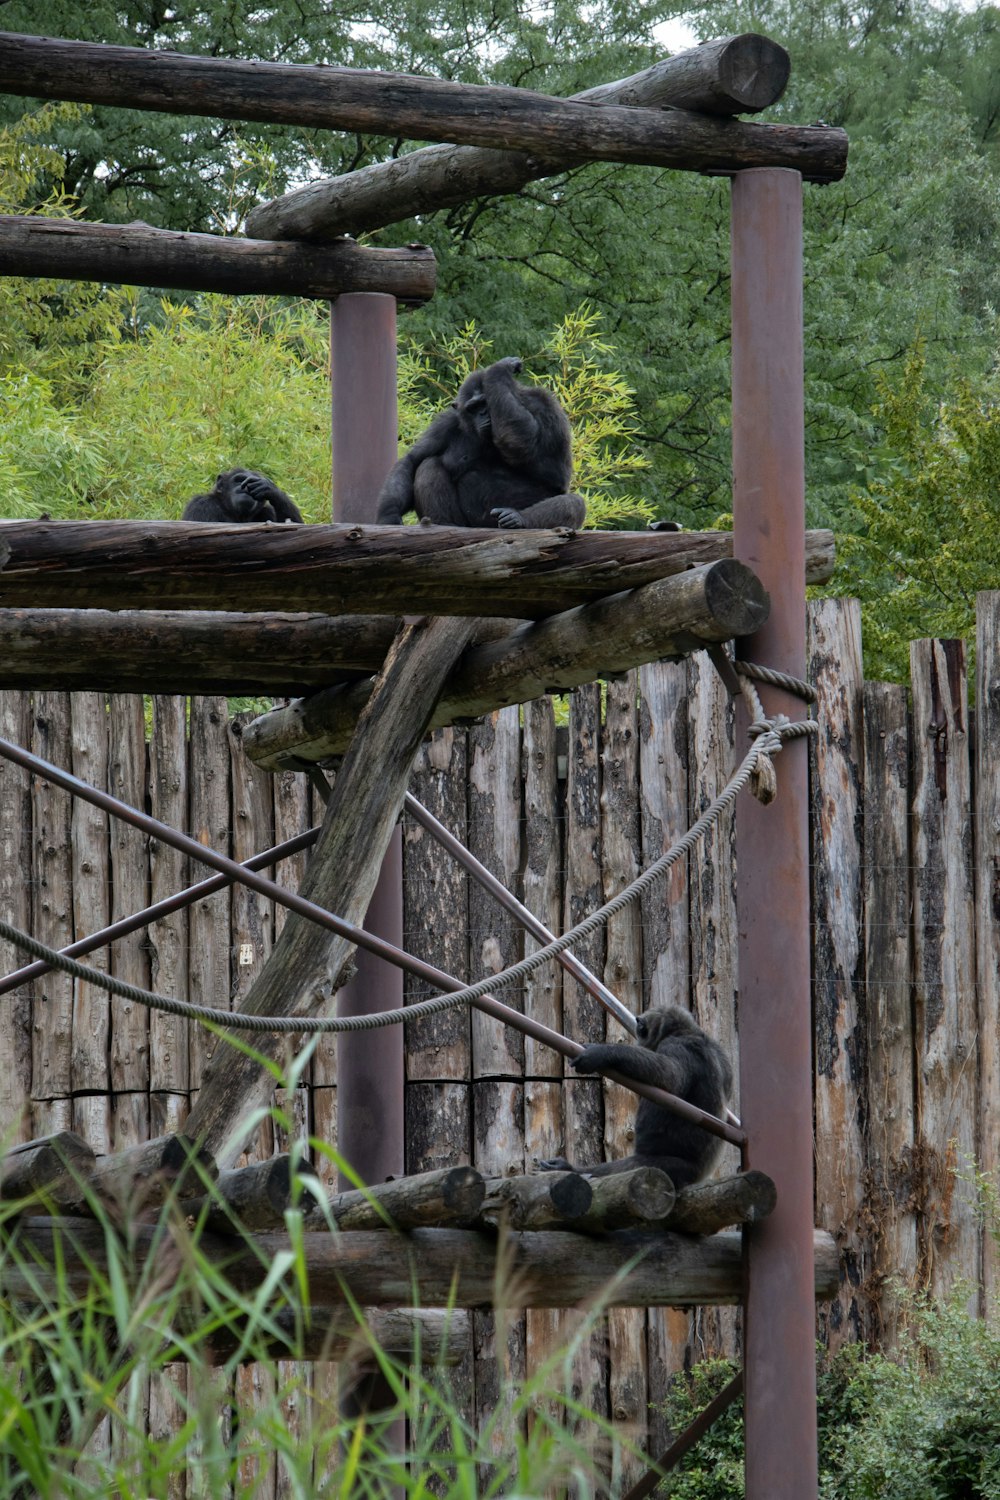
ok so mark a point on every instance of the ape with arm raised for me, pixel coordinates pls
(242, 495)
(675, 1054)
(501, 455)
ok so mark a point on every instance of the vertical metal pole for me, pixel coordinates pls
(369, 1064)
(772, 842)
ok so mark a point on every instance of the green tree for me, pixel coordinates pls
(929, 508)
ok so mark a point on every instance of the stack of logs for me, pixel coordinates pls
(570, 1238)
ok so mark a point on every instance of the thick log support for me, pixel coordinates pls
(254, 1197)
(541, 1200)
(304, 968)
(729, 76)
(547, 1268)
(349, 569)
(141, 256)
(50, 1169)
(668, 618)
(708, 1206)
(397, 104)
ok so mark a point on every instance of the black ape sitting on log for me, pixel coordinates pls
(499, 456)
(242, 495)
(675, 1054)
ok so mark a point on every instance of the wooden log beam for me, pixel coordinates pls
(744, 1198)
(49, 1169)
(196, 651)
(344, 568)
(671, 617)
(398, 104)
(545, 1268)
(449, 1196)
(303, 971)
(428, 1336)
(141, 256)
(729, 76)
(254, 1197)
(145, 1175)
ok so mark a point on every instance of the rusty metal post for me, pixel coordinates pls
(772, 841)
(369, 1064)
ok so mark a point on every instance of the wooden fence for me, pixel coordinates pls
(906, 899)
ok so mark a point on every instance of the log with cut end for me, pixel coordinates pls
(254, 1197)
(728, 76)
(546, 1268)
(707, 1207)
(623, 1200)
(451, 1195)
(539, 1200)
(345, 569)
(147, 1174)
(670, 617)
(141, 256)
(51, 1170)
(403, 105)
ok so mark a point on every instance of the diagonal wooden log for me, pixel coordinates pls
(670, 617)
(728, 76)
(303, 971)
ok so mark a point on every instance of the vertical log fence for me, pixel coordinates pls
(904, 940)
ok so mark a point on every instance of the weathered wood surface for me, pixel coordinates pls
(180, 651)
(45, 1168)
(669, 617)
(344, 569)
(944, 966)
(141, 256)
(449, 1196)
(987, 879)
(167, 939)
(546, 1200)
(408, 1334)
(398, 104)
(728, 76)
(129, 863)
(303, 972)
(493, 791)
(254, 1197)
(625, 1199)
(834, 668)
(380, 1267)
(710, 1206)
(890, 1139)
(141, 1176)
(52, 899)
(16, 859)
(91, 885)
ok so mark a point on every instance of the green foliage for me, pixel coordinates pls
(929, 509)
(574, 363)
(76, 1349)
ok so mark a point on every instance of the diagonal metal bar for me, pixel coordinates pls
(692, 1434)
(509, 902)
(149, 914)
(357, 935)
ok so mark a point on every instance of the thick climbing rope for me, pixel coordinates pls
(768, 735)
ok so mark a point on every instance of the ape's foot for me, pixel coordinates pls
(555, 1164)
(506, 518)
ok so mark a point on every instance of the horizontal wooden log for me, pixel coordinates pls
(671, 617)
(409, 1335)
(195, 651)
(254, 1197)
(50, 1169)
(144, 1176)
(546, 1268)
(728, 76)
(401, 105)
(449, 1196)
(624, 1199)
(141, 256)
(540, 1200)
(344, 569)
(708, 1206)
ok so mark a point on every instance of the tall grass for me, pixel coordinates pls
(81, 1347)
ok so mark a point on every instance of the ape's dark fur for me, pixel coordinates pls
(675, 1054)
(499, 456)
(242, 495)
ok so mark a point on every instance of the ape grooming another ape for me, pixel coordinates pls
(499, 456)
(242, 495)
(675, 1054)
